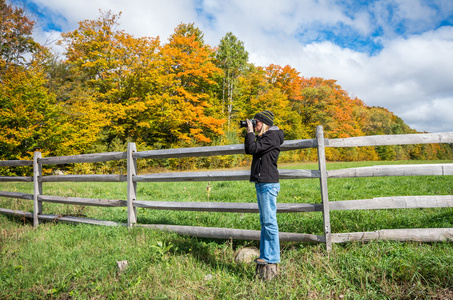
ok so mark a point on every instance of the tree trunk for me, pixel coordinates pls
(267, 272)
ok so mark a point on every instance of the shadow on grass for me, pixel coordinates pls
(216, 254)
(19, 219)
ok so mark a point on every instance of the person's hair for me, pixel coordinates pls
(264, 128)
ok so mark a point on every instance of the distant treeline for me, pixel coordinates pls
(110, 88)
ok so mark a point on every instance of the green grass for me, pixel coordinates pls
(62, 261)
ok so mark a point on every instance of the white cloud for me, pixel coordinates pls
(410, 73)
(142, 18)
(406, 75)
(436, 114)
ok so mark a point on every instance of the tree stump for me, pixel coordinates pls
(267, 272)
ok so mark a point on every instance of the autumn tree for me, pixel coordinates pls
(16, 42)
(326, 103)
(232, 58)
(82, 119)
(291, 84)
(29, 115)
(186, 111)
(288, 80)
(119, 69)
(29, 118)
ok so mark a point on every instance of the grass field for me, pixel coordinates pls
(65, 261)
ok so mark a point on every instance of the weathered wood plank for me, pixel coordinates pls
(323, 187)
(83, 201)
(398, 139)
(206, 232)
(191, 152)
(15, 163)
(402, 235)
(298, 174)
(220, 176)
(16, 195)
(71, 219)
(59, 218)
(299, 144)
(237, 234)
(16, 179)
(37, 188)
(419, 235)
(218, 150)
(84, 178)
(447, 169)
(131, 185)
(226, 206)
(82, 158)
(193, 176)
(13, 212)
(393, 170)
(394, 203)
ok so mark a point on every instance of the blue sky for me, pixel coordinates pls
(397, 54)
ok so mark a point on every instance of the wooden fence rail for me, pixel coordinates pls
(132, 179)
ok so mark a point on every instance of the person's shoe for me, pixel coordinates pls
(260, 261)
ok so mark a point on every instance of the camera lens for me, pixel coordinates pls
(244, 123)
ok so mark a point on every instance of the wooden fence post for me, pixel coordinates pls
(131, 185)
(37, 188)
(324, 191)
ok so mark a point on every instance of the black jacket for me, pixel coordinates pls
(265, 150)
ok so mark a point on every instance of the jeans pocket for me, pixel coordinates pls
(273, 191)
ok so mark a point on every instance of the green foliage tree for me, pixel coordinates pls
(232, 58)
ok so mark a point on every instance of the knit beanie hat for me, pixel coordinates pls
(266, 116)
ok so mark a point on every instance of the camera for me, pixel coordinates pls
(244, 123)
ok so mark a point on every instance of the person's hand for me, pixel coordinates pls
(249, 126)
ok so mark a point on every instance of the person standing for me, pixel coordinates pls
(265, 148)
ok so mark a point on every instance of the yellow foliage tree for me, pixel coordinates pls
(29, 116)
(119, 70)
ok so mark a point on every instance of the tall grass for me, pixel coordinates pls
(61, 261)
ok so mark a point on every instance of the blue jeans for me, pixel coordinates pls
(266, 194)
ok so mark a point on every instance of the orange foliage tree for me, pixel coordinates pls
(185, 111)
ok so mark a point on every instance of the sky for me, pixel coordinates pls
(396, 54)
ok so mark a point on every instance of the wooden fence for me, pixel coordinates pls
(424, 235)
